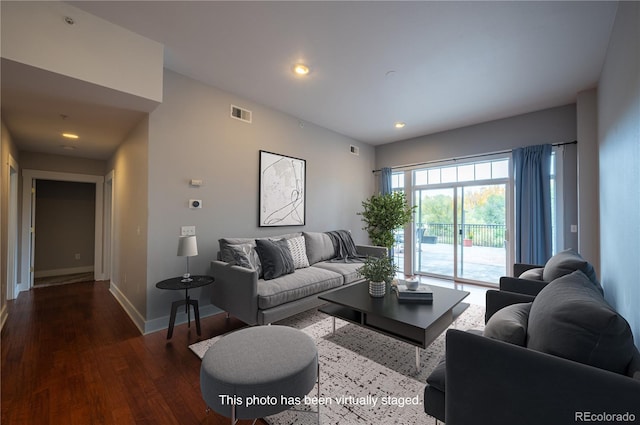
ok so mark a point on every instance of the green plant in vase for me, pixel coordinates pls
(383, 215)
(379, 271)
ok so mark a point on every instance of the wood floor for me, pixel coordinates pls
(71, 355)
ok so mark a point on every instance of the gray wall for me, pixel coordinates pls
(129, 259)
(61, 164)
(191, 136)
(555, 125)
(7, 148)
(588, 201)
(65, 226)
(619, 155)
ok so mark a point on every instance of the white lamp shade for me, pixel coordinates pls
(187, 246)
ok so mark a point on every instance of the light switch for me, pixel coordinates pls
(188, 231)
(574, 228)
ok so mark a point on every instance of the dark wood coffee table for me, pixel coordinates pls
(415, 323)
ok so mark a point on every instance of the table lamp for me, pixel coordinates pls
(187, 247)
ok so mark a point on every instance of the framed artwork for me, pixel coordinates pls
(282, 190)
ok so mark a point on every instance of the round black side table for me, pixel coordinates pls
(176, 284)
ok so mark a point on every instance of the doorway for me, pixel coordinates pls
(65, 237)
(30, 177)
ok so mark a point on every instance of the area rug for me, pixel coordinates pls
(365, 377)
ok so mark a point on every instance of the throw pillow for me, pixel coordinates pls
(319, 247)
(509, 324)
(532, 274)
(238, 255)
(275, 258)
(569, 318)
(298, 252)
(566, 262)
(243, 255)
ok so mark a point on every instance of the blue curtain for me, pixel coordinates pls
(532, 169)
(385, 181)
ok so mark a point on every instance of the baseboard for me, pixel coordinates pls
(20, 287)
(62, 272)
(162, 323)
(129, 308)
(4, 315)
(149, 326)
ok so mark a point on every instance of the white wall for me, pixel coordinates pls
(619, 156)
(91, 50)
(191, 136)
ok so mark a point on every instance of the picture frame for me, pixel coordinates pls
(282, 194)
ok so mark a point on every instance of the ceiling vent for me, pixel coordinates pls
(240, 114)
(354, 150)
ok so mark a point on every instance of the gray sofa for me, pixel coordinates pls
(246, 290)
(560, 356)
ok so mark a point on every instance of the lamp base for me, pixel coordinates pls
(186, 278)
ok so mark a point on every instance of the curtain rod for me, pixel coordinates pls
(436, 161)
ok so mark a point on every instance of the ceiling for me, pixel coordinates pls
(433, 65)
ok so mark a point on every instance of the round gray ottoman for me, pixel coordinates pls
(254, 372)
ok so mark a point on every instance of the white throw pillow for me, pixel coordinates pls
(298, 252)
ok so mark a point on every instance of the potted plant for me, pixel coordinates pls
(379, 271)
(383, 214)
(469, 240)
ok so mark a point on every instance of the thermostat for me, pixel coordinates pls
(195, 203)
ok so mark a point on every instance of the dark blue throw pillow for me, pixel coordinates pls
(275, 258)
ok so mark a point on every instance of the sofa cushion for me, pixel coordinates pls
(243, 255)
(275, 258)
(566, 262)
(298, 252)
(569, 318)
(509, 324)
(533, 274)
(292, 287)
(319, 247)
(349, 270)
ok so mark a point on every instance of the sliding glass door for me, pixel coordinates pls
(461, 221)
(482, 246)
(435, 231)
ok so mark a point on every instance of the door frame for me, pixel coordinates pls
(28, 212)
(411, 188)
(13, 174)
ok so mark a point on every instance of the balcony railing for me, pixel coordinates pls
(489, 235)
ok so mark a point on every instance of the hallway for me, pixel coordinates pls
(71, 355)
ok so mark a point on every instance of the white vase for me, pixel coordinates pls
(377, 289)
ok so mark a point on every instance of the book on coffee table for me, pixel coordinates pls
(422, 294)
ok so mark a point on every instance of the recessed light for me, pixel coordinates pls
(301, 69)
(70, 136)
(399, 124)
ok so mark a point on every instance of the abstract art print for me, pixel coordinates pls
(282, 190)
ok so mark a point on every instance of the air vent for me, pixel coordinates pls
(240, 114)
(354, 150)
